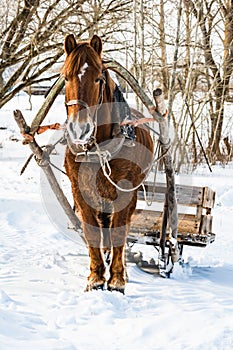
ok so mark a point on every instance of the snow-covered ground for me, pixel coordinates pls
(43, 273)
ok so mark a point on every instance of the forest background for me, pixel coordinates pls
(184, 46)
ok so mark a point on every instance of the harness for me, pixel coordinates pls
(108, 149)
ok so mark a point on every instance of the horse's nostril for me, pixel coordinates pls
(72, 130)
(85, 130)
(88, 127)
(71, 127)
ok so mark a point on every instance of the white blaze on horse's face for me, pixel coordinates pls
(80, 125)
(82, 71)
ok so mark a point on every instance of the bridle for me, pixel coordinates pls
(102, 82)
(92, 138)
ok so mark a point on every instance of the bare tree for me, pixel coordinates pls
(32, 36)
(142, 35)
(215, 20)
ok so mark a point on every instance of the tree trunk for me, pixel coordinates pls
(221, 75)
(1, 80)
(162, 44)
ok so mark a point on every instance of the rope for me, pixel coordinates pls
(103, 158)
(137, 122)
(56, 126)
(46, 152)
(54, 166)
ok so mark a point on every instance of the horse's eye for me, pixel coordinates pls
(100, 80)
(66, 79)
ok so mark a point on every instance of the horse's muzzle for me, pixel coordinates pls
(80, 133)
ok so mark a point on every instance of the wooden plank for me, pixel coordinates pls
(208, 198)
(189, 195)
(196, 240)
(206, 224)
(185, 195)
(150, 221)
(144, 220)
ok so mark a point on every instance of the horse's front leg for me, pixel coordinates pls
(96, 279)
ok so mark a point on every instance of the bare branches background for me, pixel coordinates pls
(193, 63)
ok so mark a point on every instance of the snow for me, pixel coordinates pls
(43, 273)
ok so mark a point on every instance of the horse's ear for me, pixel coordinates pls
(70, 44)
(96, 43)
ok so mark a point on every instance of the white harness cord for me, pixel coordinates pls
(103, 158)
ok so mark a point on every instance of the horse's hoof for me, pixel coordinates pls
(95, 282)
(95, 287)
(112, 289)
(117, 283)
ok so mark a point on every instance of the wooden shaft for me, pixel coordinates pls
(159, 100)
(53, 93)
(163, 123)
(170, 205)
(126, 75)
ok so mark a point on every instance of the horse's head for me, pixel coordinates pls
(83, 73)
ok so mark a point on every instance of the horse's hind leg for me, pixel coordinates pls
(105, 218)
(96, 279)
(119, 230)
(117, 268)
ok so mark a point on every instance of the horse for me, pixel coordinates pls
(104, 167)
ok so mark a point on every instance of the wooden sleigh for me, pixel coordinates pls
(194, 222)
(149, 226)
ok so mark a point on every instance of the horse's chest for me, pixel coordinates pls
(91, 178)
(89, 184)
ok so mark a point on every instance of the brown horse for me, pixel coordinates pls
(104, 168)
